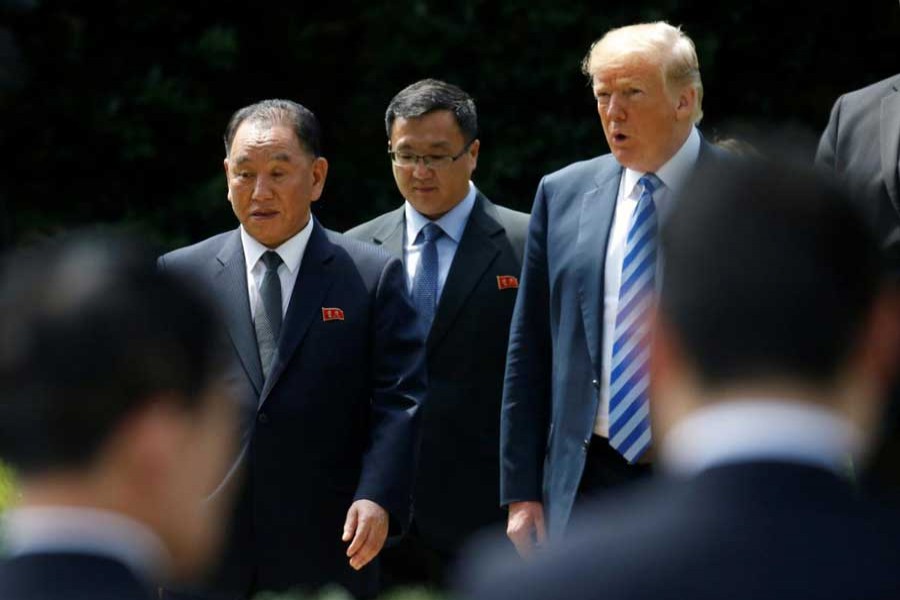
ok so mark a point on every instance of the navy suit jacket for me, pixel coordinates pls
(456, 491)
(553, 368)
(70, 576)
(336, 420)
(861, 145)
(744, 532)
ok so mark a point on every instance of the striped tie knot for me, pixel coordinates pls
(649, 183)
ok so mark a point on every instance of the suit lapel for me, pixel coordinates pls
(890, 144)
(597, 208)
(390, 236)
(313, 281)
(474, 255)
(231, 283)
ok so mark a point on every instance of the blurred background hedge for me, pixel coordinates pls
(113, 109)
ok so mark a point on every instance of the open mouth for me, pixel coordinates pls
(619, 138)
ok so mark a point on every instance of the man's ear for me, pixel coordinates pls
(225, 165)
(319, 174)
(685, 102)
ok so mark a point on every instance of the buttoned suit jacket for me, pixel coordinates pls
(554, 363)
(457, 482)
(336, 420)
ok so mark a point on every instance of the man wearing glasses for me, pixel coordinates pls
(463, 257)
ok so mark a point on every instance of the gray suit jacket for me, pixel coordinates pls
(861, 145)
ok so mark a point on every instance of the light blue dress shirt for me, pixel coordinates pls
(453, 223)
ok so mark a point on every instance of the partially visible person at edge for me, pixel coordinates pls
(114, 417)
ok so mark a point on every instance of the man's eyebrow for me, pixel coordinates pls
(243, 158)
(281, 156)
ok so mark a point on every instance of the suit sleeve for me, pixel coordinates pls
(825, 155)
(527, 386)
(398, 384)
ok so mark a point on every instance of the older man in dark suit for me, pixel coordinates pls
(465, 283)
(575, 408)
(775, 339)
(113, 417)
(327, 360)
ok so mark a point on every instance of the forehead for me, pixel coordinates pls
(437, 128)
(628, 68)
(254, 139)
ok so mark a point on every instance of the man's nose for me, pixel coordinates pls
(615, 110)
(262, 189)
(420, 170)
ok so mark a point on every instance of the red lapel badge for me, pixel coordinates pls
(332, 314)
(506, 282)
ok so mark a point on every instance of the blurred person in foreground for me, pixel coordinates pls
(326, 358)
(774, 339)
(463, 256)
(113, 415)
(575, 415)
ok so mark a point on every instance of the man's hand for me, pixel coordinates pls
(367, 525)
(525, 526)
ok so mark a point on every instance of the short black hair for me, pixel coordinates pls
(298, 117)
(90, 331)
(428, 96)
(769, 271)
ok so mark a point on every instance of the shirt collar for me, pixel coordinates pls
(753, 429)
(291, 251)
(44, 529)
(453, 223)
(675, 172)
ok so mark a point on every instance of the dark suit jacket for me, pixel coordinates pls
(553, 369)
(861, 144)
(337, 419)
(70, 576)
(456, 491)
(750, 531)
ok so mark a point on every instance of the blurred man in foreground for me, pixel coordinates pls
(773, 344)
(111, 413)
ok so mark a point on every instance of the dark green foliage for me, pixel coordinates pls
(114, 110)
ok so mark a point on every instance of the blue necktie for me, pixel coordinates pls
(425, 281)
(629, 407)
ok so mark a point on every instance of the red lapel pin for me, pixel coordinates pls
(506, 282)
(332, 314)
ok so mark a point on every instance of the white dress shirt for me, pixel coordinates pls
(291, 253)
(453, 223)
(46, 529)
(673, 175)
(753, 429)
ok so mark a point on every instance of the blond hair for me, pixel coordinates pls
(660, 42)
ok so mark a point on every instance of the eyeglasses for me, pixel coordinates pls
(408, 160)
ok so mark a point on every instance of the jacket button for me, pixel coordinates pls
(263, 418)
(596, 384)
(587, 444)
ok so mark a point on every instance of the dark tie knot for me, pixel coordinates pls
(271, 260)
(649, 183)
(431, 232)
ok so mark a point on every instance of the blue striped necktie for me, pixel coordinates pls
(425, 280)
(629, 407)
